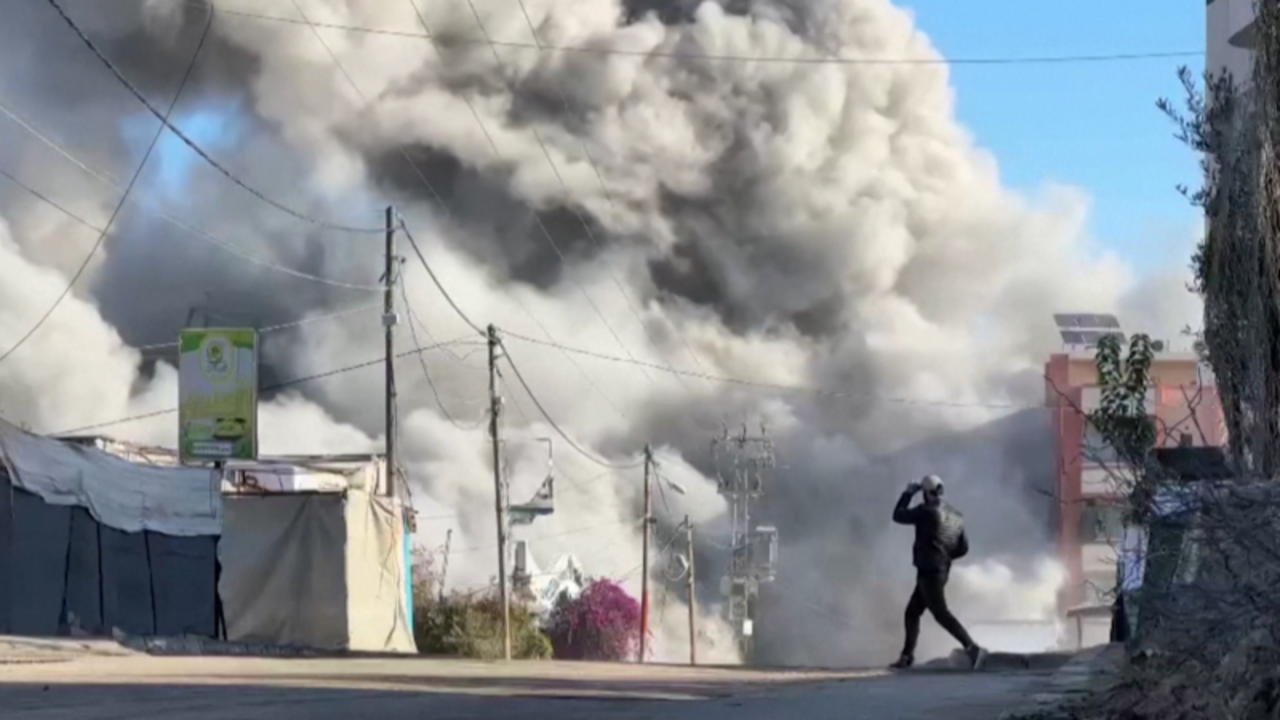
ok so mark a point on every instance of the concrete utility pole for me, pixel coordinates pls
(644, 552)
(499, 496)
(389, 321)
(693, 597)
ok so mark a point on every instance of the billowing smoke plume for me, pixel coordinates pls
(637, 186)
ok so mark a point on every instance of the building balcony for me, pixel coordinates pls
(1091, 399)
(1098, 560)
(1101, 481)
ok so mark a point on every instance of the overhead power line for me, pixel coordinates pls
(195, 147)
(107, 179)
(283, 326)
(439, 286)
(1067, 58)
(426, 371)
(431, 188)
(595, 167)
(444, 205)
(573, 531)
(102, 236)
(265, 388)
(772, 386)
(50, 201)
(555, 426)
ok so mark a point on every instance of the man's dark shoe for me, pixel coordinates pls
(903, 663)
(977, 656)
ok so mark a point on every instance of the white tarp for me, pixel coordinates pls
(561, 579)
(274, 478)
(127, 496)
(286, 474)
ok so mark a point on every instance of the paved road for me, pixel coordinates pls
(203, 688)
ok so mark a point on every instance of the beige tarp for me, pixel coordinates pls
(317, 570)
(377, 618)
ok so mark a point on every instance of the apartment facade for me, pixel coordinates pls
(1089, 490)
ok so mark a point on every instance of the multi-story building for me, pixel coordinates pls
(1230, 37)
(1090, 477)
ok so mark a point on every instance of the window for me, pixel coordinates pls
(1095, 449)
(1101, 522)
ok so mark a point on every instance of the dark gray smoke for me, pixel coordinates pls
(827, 225)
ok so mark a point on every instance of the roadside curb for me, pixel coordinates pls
(1075, 679)
(27, 651)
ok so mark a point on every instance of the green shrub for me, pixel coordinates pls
(534, 645)
(470, 625)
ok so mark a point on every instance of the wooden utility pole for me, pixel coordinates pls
(693, 598)
(389, 320)
(499, 496)
(644, 552)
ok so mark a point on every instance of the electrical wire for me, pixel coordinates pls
(265, 388)
(282, 326)
(431, 188)
(537, 218)
(555, 426)
(780, 386)
(439, 286)
(110, 181)
(670, 541)
(426, 372)
(50, 201)
(493, 148)
(413, 316)
(574, 531)
(102, 236)
(164, 119)
(729, 57)
(595, 168)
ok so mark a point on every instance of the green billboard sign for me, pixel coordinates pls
(217, 394)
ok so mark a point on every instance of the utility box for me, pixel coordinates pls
(764, 551)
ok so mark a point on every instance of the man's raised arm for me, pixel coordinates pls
(903, 513)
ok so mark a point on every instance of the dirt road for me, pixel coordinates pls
(90, 687)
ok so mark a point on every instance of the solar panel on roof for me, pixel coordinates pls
(1072, 337)
(1105, 321)
(1093, 337)
(1086, 321)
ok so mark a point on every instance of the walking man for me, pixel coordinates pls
(940, 539)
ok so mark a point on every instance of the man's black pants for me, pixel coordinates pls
(930, 594)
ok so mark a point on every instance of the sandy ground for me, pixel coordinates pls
(52, 684)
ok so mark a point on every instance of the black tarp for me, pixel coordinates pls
(58, 566)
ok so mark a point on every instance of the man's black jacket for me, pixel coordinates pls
(940, 534)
